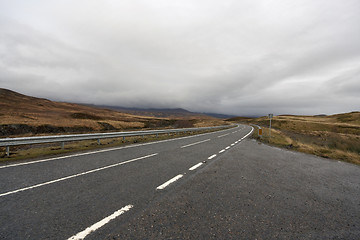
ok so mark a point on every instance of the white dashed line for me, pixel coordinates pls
(212, 156)
(222, 151)
(223, 135)
(174, 179)
(76, 175)
(233, 144)
(94, 227)
(227, 148)
(196, 143)
(195, 166)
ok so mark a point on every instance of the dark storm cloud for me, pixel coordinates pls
(235, 57)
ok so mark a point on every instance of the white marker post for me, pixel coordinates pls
(270, 117)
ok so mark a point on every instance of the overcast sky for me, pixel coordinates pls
(241, 57)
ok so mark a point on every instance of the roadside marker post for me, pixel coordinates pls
(260, 132)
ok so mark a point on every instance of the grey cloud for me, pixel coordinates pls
(345, 85)
(235, 57)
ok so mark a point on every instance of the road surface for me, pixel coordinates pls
(219, 185)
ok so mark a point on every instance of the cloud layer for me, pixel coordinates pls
(235, 57)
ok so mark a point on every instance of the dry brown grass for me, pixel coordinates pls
(209, 123)
(41, 116)
(26, 110)
(20, 109)
(336, 136)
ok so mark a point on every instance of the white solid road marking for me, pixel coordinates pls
(76, 175)
(174, 179)
(57, 158)
(108, 150)
(222, 151)
(212, 156)
(195, 166)
(195, 143)
(94, 227)
(252, 129)
(223, 135)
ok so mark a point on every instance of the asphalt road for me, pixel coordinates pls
(214, 186)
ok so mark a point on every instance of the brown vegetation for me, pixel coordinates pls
(25, 115)
(336, 136)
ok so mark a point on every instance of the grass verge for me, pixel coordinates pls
(344, 147)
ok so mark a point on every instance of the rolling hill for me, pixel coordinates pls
(24, 115)
(154, 112)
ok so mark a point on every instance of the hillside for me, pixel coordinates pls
(22, 115)
(336, 136)
(155, 112)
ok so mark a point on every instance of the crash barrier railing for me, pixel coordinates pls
(8, 142)
(260, 129)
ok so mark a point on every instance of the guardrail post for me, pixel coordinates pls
(62, 145)
(123, 139)
(7, 151)
(98, 141)
(157, 135)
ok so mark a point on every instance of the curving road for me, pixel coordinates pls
(218, 185)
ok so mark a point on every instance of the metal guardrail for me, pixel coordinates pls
(7, 142)
(255, 125)
(260, 129)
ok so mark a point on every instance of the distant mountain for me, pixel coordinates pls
(221, 116)
(163, 112)
(239, 119)
(157, 112)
